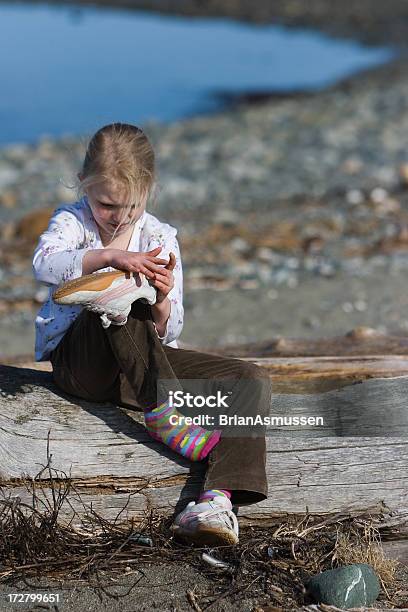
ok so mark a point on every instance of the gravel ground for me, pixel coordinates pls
(163, 587)
(318, 307)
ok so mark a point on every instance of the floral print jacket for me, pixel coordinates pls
(71, 232)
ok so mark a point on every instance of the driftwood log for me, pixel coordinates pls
(357, 464)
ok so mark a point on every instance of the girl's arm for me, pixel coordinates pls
(61, 254)
(161, 313)
(168, 316)
(58, 255)
(146, 263)
(95, 259)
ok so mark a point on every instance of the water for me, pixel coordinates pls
(72, 69)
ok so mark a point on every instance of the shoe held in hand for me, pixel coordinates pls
(110, 294)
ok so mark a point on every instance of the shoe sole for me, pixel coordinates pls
(89, 282)
(206, 536)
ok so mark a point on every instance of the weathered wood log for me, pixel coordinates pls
(113, 463)
(358, 341)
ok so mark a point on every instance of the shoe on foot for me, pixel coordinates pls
(209, 523)
(110, 294)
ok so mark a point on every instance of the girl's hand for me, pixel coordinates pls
(164, 280)
(146, 263)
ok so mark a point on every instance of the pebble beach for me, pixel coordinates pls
(292, 214)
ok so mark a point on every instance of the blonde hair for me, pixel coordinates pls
(120, 153)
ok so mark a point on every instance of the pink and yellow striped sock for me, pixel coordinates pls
(191, 441)
(211, 493)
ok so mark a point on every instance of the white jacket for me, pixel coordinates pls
(72, 231)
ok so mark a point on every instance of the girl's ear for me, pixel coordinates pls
(79, 175)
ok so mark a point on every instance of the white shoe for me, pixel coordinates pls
(110, 294)
(210, 523)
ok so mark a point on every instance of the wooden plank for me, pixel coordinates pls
(359, 341)
(301, 374)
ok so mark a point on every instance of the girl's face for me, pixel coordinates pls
(108, 203)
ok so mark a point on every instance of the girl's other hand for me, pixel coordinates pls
(164, 280)
(146, 263)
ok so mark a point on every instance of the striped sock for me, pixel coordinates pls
(191, 441)
(211, 493)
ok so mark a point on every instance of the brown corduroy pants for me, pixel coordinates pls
(122, 363)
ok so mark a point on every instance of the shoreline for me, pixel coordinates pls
(369, 21)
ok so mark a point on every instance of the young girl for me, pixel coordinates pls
(112, 337)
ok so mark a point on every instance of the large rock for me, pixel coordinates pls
(351, 586)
